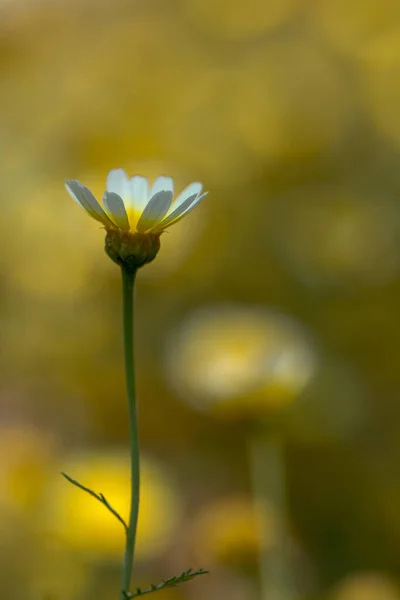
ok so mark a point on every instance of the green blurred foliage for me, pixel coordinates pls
(288, 112)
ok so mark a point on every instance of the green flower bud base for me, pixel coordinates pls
(132, 250)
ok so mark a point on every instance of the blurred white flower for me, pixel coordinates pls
(240, 358)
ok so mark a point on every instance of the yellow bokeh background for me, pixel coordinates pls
(271, 312)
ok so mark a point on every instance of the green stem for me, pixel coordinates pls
(269, 489)
(128, 284)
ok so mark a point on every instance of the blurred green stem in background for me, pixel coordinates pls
(269, 491)
(128, 285)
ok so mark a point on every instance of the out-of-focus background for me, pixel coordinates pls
(268, 327)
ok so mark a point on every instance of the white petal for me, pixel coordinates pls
(177, 212)
(162, 184)
(118, 182)
(155, 210)
(139, 192)
(193, 188)
(193, 205)
(84, 197)
(115, 206)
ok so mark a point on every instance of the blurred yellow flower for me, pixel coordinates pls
(238, 359)
(228, 530)
(366, 586)
(85, 524)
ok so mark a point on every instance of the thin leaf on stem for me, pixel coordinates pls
(100, 497)
(171, 582)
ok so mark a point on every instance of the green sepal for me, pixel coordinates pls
(132, 250)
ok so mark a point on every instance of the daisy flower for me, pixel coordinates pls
(131, 205)
(134, 216)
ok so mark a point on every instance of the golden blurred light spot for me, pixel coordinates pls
(86, 525)
(338, 237)
(56, 249)
(380, 79)
(239, 20)
(238, 359)
(290, 101)
(352, 25)
(229, 530)
(366, 586)
(26, 455)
